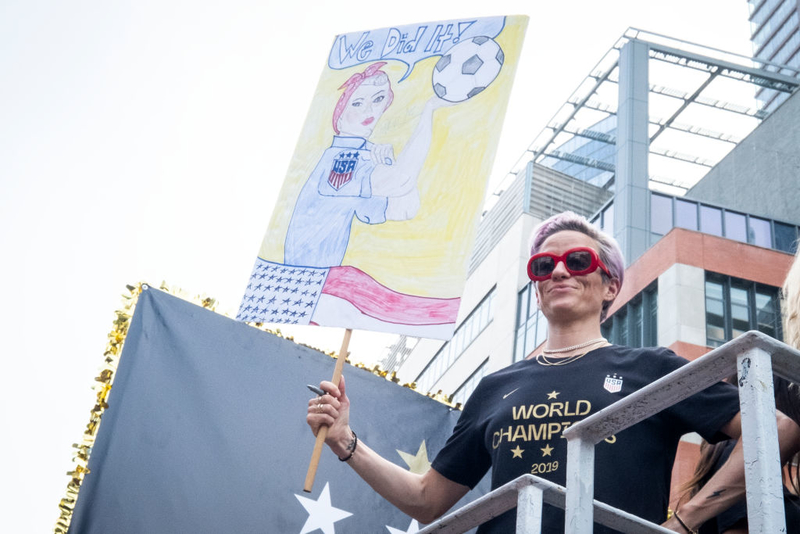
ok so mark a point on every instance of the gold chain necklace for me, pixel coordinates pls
(541, 359)
(578, 346)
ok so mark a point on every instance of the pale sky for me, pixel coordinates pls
(147, 140)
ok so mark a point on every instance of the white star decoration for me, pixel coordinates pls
(321, 514)
(412, 528)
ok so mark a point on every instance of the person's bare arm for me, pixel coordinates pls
(727, 486)
(398, 177)
(403, 208)
(424, 497)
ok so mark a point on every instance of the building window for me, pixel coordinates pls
(715, 314)
(604, 219)
(735, 226)
(763, 11)
(531, 323)
(660, 214)
(759, 232)
(667, 212)
(711, 220)
(636, 323)
(465, 390)
(785, 237)
(763, 32)
(685, 214)
(650, 308)
(608, 220)
(465, 334)
(734, 306)
(785, 30)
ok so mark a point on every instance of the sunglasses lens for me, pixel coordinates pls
(580, 260)
(542, 266)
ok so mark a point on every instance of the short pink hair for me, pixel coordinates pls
(609, 250)
(353, 83)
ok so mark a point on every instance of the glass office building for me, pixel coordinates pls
(775, 34)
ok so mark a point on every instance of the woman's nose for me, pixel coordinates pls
(560, 270)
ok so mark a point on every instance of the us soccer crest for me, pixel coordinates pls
(613, 384)
(342, 170)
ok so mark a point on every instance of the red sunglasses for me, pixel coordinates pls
(578, 261)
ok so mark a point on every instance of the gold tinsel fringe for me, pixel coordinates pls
(105, 379)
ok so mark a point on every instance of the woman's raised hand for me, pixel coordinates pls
(332, 410)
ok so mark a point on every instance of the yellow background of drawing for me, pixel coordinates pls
(427, 255)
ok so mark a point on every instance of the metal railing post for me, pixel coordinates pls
(760, 441)
(580, 487)
(529, 510)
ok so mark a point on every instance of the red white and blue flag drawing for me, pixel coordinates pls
(340, 296)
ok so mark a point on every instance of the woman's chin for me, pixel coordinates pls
(565, 309)
(357, 132)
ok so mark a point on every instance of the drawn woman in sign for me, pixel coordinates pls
(355, 177)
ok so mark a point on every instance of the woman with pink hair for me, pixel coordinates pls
(355, 177)
(513, 422)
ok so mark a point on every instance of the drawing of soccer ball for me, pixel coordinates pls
(467, 68)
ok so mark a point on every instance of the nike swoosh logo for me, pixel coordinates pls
(509, 393)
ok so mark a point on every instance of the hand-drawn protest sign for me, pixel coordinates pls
(376, 217)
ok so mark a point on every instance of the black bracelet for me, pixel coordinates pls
(690, 531)
(352, 448)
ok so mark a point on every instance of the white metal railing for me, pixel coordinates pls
(528, 493)
(753, 356)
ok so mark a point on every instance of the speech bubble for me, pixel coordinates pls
(409, 44)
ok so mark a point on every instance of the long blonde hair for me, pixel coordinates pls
(791, 304)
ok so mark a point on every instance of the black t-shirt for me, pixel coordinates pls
(514, 421)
